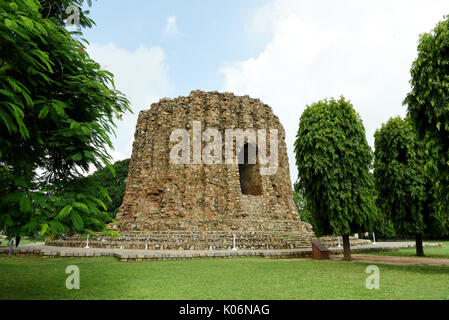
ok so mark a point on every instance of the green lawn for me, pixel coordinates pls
(433, 252)
(239, 278)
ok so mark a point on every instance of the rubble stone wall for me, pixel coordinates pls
(200, 206)
(162, 196)
(203, 240)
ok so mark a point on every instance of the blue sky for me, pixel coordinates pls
(288, 53)
(207, 34)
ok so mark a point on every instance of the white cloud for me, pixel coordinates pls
(360, 49)
(142, 75)
(171, 27)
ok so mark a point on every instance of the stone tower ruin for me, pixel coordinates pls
(202, 202)
(196, 205)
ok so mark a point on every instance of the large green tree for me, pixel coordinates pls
(334, 162)
(401, 182)
(428, 108)
(114, 183)
(57, 112)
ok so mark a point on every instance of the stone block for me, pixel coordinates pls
(319, 251)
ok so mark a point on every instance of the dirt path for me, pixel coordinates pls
(401, 261)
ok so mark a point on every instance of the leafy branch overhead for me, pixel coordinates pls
(57, 113)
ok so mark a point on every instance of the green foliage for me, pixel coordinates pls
(53, 211)
(334, 162)
(57, 10)
(384, 229)
(301, 205)
(428, 108)
(57, 110)
(114, 185)
(400, 180)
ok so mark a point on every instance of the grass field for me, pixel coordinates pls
(433, 252)
(240, 278)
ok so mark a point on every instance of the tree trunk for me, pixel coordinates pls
(17, 241)
(346, 248)
(419, 246)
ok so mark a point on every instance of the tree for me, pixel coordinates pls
(428, 108)
(57, 10)
(57, 110)
(334, 162)
(400, 181)
(114, 184)
(301, 204)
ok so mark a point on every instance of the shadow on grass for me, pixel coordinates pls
(441, 252)
(424, 269)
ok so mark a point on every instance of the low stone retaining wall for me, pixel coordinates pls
(193, 240)
(202, 240)
(55, 252)
(140, 255)
(147, 255)
(332, 242)
(268, 254)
